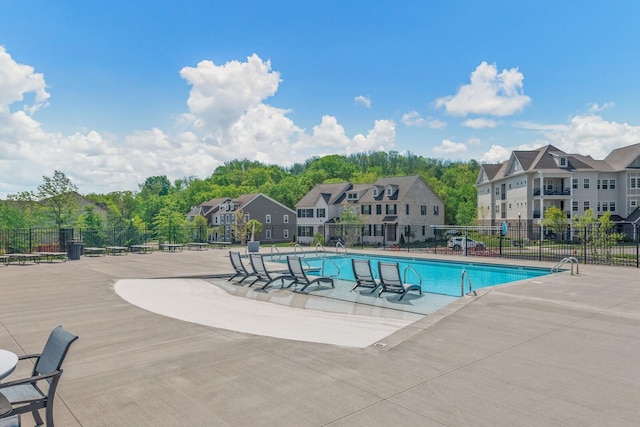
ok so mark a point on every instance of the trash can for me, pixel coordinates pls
(74, 249)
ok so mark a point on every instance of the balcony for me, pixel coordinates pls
(553, 192)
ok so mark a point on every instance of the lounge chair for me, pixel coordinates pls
(299, 276)
(238, 267)
(28, 394)
(262, 274)
(391, 282)
(363, 274)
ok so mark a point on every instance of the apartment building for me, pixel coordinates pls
(520, 189)
(393, 208)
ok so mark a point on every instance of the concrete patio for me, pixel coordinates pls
(559, 350)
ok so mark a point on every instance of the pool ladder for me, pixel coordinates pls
(275, 253)
(571, 259)
(471, 290)
(297, 250)
(404, 275)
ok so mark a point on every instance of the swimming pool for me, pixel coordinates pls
(438, 277)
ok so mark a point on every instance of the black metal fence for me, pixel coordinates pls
(57, 239)
(589, 245)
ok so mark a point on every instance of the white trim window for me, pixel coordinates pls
(268, 234)
(286, 219)
(268, 219)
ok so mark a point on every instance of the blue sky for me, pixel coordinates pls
(113, 92)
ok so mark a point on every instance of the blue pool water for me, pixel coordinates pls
(439, 277)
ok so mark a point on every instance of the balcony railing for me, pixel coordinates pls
(553, 192)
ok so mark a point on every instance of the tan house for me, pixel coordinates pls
(392, 209)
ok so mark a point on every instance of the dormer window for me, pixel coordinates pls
(375, 192)
(563, 162)
(389, 192)
(352, 197)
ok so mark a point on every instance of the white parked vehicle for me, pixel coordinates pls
(459, 243)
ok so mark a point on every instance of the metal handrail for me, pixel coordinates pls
(295, 250)
(340, 245)
(471, 290)
(278, 255)
(572, 260)
(322, 270)
(320, 248)
(404, 274)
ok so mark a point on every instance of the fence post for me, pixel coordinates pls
(584, 245)
(540, 243)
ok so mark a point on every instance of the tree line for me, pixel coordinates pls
(160, 202)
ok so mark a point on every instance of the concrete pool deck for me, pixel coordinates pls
(558, 350)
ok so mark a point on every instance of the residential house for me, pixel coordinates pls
(393, 209)
(279, 224)
(318, 208)
(519, 190)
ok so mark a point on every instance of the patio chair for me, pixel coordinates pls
(31, 394)
(363, 274)
(299, 276)
(391, 282)
(238, 267)
(262, 274)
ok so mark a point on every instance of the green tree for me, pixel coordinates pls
(158, 185)
(239, 227)
(20, 210)
(254, 227)
(556, 220)
(350, 224)
(201, 230)
(170, 225)
(59, 196)
(90, 218)
(597, 235)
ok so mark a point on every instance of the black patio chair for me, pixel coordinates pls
(299, 276)
(363, 274)
(37, 391)
(238, 267)
(391, 281)
(262, 274)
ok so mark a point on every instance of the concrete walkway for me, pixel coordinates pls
(554, 351)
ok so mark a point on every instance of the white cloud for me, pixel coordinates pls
(596, 108)
(413, 119)
(449, 147)
(436, 124)
(480, 123)
(488, 93)
(221, 94)
(227, 119)
(496, 154)
(16, 80)
(587, 135)
(381, 137)
(363, 100)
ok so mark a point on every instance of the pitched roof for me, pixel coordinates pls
(544, 159)
(331, 193)
(245, 199)
(621, 158)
